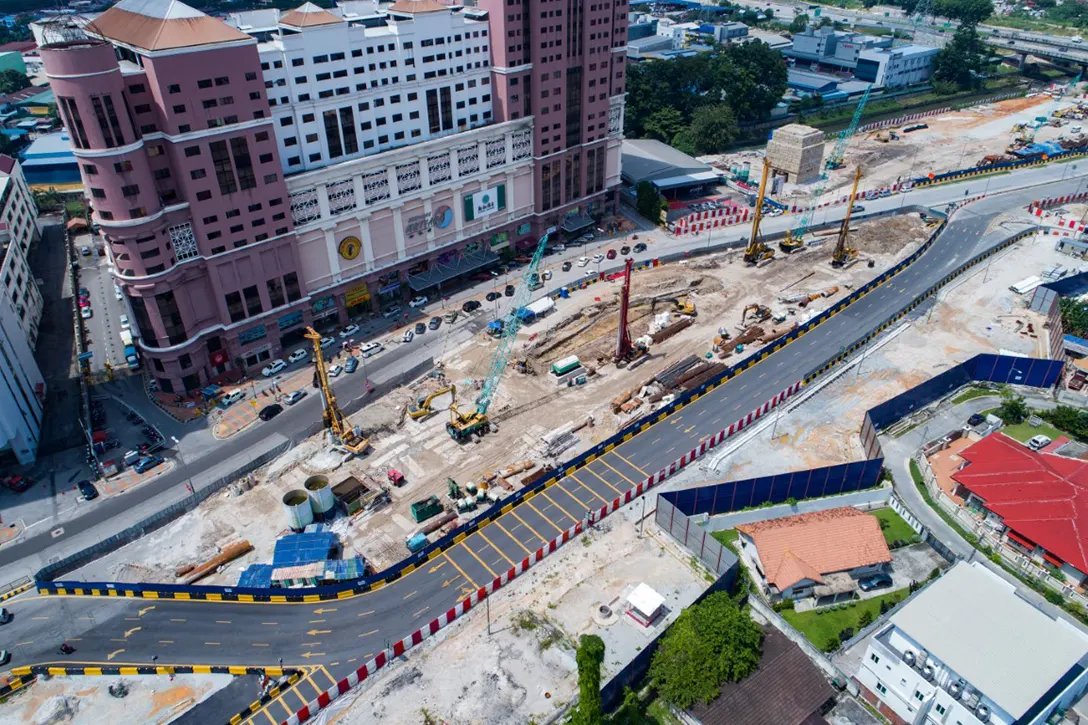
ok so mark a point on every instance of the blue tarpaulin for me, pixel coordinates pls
(256, 575)
(298, 549)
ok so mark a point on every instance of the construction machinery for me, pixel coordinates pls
(681, 305)
(463, 425)
(343, 434)
(759, 313)
(757, 251)
(626, 350)
(835, 159)
(845, 255)
(421, 407)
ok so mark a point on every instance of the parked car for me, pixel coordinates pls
(583, 261)
(85, 251)
(295, 397)
(639, 248)
(87, 490)
(84, 292)
(233, 397)
(123, 319)
(84, 301)
(270, 411)
(558, 248)
(566, 266)
(391, 311)
(418, 301)
(118, 293)
(450, 316)
(277, 366)
(408, 336)
(976, 420)
(85, 313)
(856, 208)
(470, 306)
(1039, 442)
(370, 349)
(508, 290)
(590, 273)
(298, 355)
(420, 328)
(335, 370)
(876, 581)
(327, 341)
(147, 463)
(5, 615)
(435, 323)
(349, 331)
(492, 296)
(5, 657)
(351, 365)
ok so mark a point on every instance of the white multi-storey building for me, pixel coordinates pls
(18, 230)
(344, 85)
(970, 650)
(22, 392)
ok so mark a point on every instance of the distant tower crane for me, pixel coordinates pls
(844, 255)
(463, 425)
(757, 250)
(343, 433)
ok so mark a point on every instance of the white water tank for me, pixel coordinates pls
(296, 504)
(321, 498)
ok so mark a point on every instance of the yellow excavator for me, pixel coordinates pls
(757, 252)
(844, 255)
(759, 314)
(344, 435)
(421, 408)
(681, 305)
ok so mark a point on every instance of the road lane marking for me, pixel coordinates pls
(572, 518)
(579, 482)
(213, 644)
(492, 544)
(324, 610)
(22, 644)
(421, 611)
(311, 683)
(270, 624)
(39, 617)
(283, 705)
(466, 547)
(324, 671)
(617, 454)
(516, 541)
(260, 644)
(177, 620)
(166, 641)
(460, 570)
(514, 513)
(316, 621)
(268, 715)
(409, 595)
(605, 482)
(222, 621)
(436, 567)
(367, 634)
(363, 614)
(542, 516)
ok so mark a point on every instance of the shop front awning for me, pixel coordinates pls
(576, 224)
(440, 272)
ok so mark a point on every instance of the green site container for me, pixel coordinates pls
(425, 509)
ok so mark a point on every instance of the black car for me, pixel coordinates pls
(270, 411)
(434, 323)
(976, 420)
(87, 490)
(625, 250)
(640, 247)
(876, 581)
(470, 306)
(509, 291)
(566, 266)
(492, 296)
(420, 328)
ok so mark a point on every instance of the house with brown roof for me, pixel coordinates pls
(821, 554)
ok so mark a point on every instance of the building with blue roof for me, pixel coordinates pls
(49, 161)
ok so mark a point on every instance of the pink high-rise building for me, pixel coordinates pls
(278, 170)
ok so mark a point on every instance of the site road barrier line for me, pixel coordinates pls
(417, 637)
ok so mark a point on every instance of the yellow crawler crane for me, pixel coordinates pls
(845, 255)
(344, 435)
(757, 251)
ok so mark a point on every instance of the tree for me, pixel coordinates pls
(751, 78)
(1013, 409)
(664, 124)
(1074, 316)
(589, 657)
(961, 62)
(968, 12)
(630, 712)
(799, 24)
(710, 643)
(713, 129)
(648, 201)
(13, 80)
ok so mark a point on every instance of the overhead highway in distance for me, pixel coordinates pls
(340, 635)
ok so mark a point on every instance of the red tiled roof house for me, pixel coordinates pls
(822, 553)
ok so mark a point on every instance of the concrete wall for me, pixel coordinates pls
(872, 498)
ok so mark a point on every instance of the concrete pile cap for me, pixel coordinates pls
(794, 132)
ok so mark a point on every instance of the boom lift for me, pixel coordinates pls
(794, 238)
(757, 251)
(421, 408)
(343, 434)
(844, 256)
(463, 425)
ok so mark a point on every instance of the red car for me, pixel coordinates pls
(18, 484)
(611, 254)
(84, 302)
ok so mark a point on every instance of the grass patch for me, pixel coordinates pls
(972, 393)
(893, 526)
(823, 627)
(920, 484)
(727, 538)
(1024, 432)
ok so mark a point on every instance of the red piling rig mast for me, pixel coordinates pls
(624, 347)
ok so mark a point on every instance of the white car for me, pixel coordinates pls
(326, 341)
(295, 397)
(125, 323)
(276, 366)
(118, 293)
(583, 261)
(598, 258)
(335, 371)
(299, 354)
(233, 397)
(370, 349)
(418, 301)
(349, 331)
(392, 311)
(1039, 442)
(408, 336)
(591, 273)
(85, 313)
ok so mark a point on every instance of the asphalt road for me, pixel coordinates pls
(344, 633)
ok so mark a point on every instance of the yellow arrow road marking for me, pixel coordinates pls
(315, 632)
(308, 655)
(129, 632)
(113, 654)
(450, 581)
(436, 567)
(324, 610)
(145, 610)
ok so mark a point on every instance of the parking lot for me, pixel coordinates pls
(104, 324)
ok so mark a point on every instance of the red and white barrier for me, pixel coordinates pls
(463, 607)
(1066, 226)
(903, 119)
(1038, 206)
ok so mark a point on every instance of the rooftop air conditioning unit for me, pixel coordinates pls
(957, 688)
(908, 657)
(927, 672)
(982, 712)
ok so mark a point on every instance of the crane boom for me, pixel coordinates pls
(335, 420)
(757, 250)
(844, 255)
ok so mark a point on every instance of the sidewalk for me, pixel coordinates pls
(129, 478)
